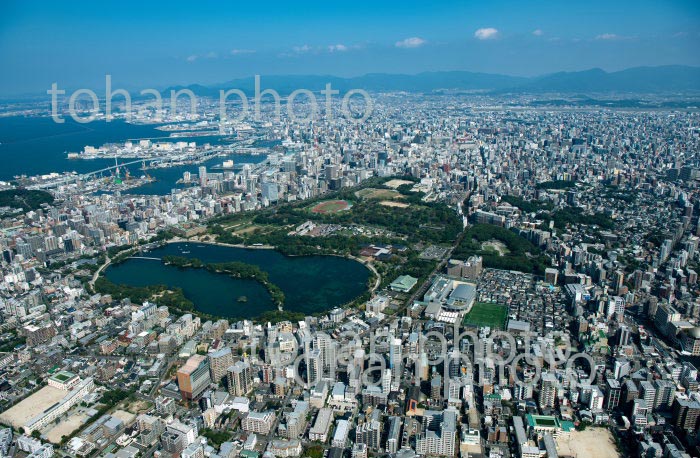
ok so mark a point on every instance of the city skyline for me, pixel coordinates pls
(350, 229)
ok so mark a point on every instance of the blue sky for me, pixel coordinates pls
(145, 44)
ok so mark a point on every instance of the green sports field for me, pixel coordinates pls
(485, 314)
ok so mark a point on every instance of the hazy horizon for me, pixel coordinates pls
(144, 45)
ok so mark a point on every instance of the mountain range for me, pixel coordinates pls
(663, 79)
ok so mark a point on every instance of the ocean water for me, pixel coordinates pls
(38, 145)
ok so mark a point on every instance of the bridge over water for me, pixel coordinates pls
(82, 176)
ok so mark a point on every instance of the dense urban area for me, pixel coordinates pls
(532, 286)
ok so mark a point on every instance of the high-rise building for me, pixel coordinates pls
(548, 391)
(665, 392)
(612, 396)
(665, 314)
(269, 191)
(647, 392)
(395, 360)
(386, 380)
(523, 391)
(393, 439)
(332, 172)
(616, 307)
(685, 413)
(666, 248)
(355, 370)
(436, 387)
(623, 336)
(439, 434)
(268, 373)
(314, 368)
(219, 362)
(239, 378)
(193, 377)
(630, 392)
(640, 410)
(327, 346)
(370, 431)
(202, 176)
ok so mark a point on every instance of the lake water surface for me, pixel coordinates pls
(310, 283)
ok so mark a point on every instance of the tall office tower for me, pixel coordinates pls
(326, 345)
(623, 336)
(455, 363)
(422, 367)
(613, 393)
(269, 191)
(202, 176)
(219, 362)
(648, 393)
(239, 378)
(548, 391)
(665, 392)
(618, 281)
(314, 368)
(193, 377)
(331, 172)
(386, 381)
(394, 435)
(436, 387)
(355, 369)
(665, 251)
(395, 361)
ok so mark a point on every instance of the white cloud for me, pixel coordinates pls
(209, 55)
(301, 49)
(236, 52)
(538, 32)
(486, 33)
(339, 48)
(607, 36)
(413, 42)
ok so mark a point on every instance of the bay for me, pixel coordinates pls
(38, 145)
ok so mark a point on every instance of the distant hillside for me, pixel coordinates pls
(665, 79)
(671, 78)
(422, 82)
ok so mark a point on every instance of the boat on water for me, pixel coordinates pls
(185, 252)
